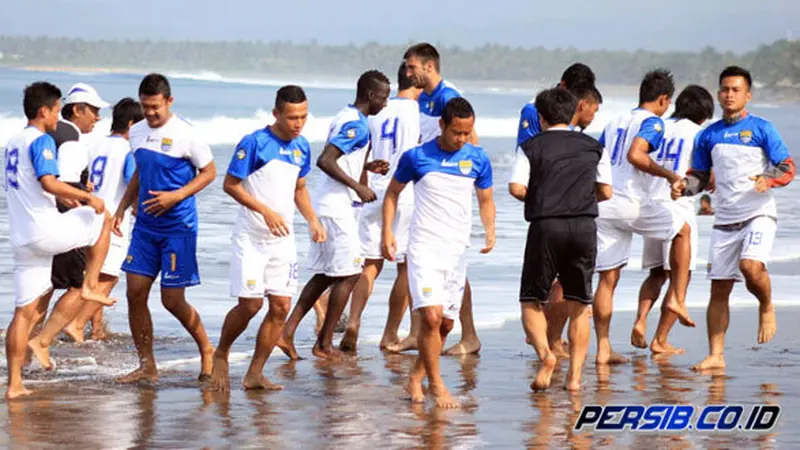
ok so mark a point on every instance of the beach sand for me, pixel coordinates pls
(363, 405)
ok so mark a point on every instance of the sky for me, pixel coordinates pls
(736, 25)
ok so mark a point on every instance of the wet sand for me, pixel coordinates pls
(363, 405)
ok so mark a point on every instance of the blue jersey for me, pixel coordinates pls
(737, 151)
(269, 167)
(167, 159)
(528, 123)
(443, 184)
(431, 107)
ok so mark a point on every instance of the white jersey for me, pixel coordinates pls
(111, 167)
(675, 154)
(73, 157)
(29, 155)
(392, 132)
(349, 133)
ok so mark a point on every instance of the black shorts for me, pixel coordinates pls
(565, 248)
(68, 269)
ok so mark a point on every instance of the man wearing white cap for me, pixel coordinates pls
(81, 111)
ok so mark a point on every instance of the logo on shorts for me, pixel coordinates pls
(427, 292)
(251, 284)
(298, 156)
(745, 136)
(357, 261)
(48, 154)
(351, 133)
(240, 154)
(465, 167)
(166, 144)
(708, 267)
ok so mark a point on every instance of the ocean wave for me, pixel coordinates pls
(214, 77)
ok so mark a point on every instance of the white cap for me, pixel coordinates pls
(83, 93)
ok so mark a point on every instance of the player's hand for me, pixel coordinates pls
(389, 246)
(674, 178)
(366, 194)
(97, 204)
(761, 183)
(275, 223)
(69, 203)
(489, 242)
(378, 166)
(89, 186)
(712, 183)
(318, 233)
(161, 202)
(678, 188)
(116, 224)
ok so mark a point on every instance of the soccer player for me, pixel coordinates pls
(38, 231)
(423, 67)
(749, 159)
(392, 131)
(629, 139)
(111, 167)
(172, 166)
(336, 262)
(693, 107)
(560, 175)
(443, 171)
(267, 176)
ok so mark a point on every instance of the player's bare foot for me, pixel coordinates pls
(206, 364)
(469, 346)
(386, 341)
(544, 374)
(638, 338)
(443, 397)
(14, 392)
(610, 358)
(409, 343)
(414, 389)
(349, 341)
(680, 310)
(141, 374)
(99, 333)
(259, 382)
(572, 385)
(767, 324)
(332, 354)
(75, 333)
(560, 349)
(88, 295)
(220, 375)
(711, 362)
(41, 353)
(286, 344)
(665, 348)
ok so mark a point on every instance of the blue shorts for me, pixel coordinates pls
(174, 257)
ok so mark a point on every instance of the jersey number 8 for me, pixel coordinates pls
(98, 171)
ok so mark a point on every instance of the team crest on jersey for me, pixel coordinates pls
(240, 154)
(430, 105)
(298, 156)
(48, 154)
(465, 167)
(166, 144)
(745, 136)
(525, 124)
(658, 127)
(351, 133)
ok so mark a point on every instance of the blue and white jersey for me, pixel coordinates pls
(269, 168)
(111, 167)
(431, 107)
(167, 159)
(392, 132)
(443, 184)
(29, 155)
(675, 154)
(349, 133)
(618, 136)
(736, 152)
(529, 125)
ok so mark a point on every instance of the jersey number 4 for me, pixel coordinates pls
(12, 169)
(386, 134)
(98, 172)
(666, 153)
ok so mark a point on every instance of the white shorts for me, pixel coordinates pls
(654, 221)
(434, 287)
(76, 228)
(754, 241)
(370, 230)
(340, 254)
(656, 253)
(117, 252)
(261, 267)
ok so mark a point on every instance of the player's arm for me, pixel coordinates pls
(486, 206)
(603, 182)
(52, 185)
(403, 174)
(42, 153)
(233, 187)
(699, 175)
(303, 202)
(782, 169)
(520, 176)
(649, 137)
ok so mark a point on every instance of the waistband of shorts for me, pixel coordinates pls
(736, 226)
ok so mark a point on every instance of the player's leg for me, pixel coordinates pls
(398, 303)
(95, 258)
(361, 293)
(340, 292)
(268, 335)
(649, 292)
(757, 245)
(235, 323)
(92, 311)
(320, 309)
(469, 343)
(613, 250)
(454, 287)
(65, 310)
(557, 314)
